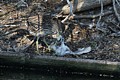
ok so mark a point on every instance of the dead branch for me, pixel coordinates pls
(66, 18)
(71, 7)
(88, 16)
(118, 3)
(71, 11)
(100, 17)
(115, 10)
(82, 5)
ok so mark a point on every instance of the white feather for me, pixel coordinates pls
(82, 50)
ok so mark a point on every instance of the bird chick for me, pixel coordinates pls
(61, 50)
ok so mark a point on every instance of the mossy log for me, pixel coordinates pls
(82, 5)
(74, 64)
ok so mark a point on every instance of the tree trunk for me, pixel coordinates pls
(74, 64)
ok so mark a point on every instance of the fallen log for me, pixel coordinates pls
(82, 5)
(73, 64)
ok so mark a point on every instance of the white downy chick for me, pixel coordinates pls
(62, 49)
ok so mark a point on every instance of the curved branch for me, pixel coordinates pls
(115, 10)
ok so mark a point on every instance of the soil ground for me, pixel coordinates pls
(19, 26)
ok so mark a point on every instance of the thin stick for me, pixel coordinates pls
(118, 3)
(88, 16)
(66, 18)
(98, 23)
(92, 16)
(71, 12)
(71, 7)
(115, 10)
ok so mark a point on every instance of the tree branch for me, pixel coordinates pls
(115, 10)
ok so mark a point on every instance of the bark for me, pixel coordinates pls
(73, 64)
(82, 5)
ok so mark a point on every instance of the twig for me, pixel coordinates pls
(115, 25)
(92, 16)
(111, 23)
(71, 11)
(66, 18)
(115, 10)
(71, 7)
(88, 16)
(98, 23)
(118, 3)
